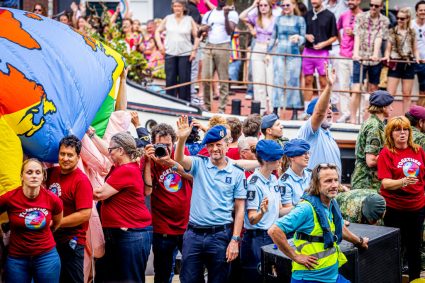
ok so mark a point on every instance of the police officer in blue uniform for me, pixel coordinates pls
(219, 187)
(296, 178)
(263, 208)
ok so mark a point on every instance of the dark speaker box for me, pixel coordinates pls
(380, 263)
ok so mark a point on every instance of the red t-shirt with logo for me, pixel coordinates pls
(403, 163)
(127, 208)
(30, 233)
(170, 200)
(76, 193)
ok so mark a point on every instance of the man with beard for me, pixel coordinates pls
(315, 131)
(219, 188)
(370, 141)
(319, 229)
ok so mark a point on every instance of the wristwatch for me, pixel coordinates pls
(175, 167)
(236, 238)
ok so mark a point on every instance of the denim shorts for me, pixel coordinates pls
(403, 71)
(373, 72)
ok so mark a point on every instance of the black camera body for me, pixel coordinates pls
(161, 150)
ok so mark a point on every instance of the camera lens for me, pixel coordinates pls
(160, 151)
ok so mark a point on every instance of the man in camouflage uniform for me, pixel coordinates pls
(362, 206)
(416, 116)
(370, 141)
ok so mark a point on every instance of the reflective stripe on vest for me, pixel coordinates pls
(325, 257)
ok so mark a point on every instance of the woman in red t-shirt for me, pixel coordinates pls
(126, 220)
(33, 214)
(401, 169)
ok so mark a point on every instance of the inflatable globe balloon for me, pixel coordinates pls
(54, 81)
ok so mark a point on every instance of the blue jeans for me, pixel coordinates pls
(165, 250)
(374, 73)
(42, 268)
(126, 255)
(207, 249)
(251, 245)
(72, 260)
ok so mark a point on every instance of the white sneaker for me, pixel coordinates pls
(343, 119)
(248, 97)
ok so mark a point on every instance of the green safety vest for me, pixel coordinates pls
(326, 257)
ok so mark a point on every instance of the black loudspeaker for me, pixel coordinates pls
(380, 263)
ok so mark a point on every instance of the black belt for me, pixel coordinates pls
(207, 229)
(309, 238)
(256, 232)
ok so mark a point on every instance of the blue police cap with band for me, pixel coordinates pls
(269, 150)
(311, 105)
(296, 147)
(380, 98)
(268, 121)
(215, 134)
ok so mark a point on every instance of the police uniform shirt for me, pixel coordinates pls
(214, 191)
(293, 186)
(324, 148)
(259, 188)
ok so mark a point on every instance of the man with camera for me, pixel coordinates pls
(218, 26)
(212, 237)
(170, 199)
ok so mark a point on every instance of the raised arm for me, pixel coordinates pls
(322, 105)
(183, 131)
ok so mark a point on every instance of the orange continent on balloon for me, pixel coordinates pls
(11, 29)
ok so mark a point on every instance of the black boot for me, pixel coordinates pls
(294, 114)
(275, 110)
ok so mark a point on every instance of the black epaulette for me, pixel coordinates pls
(237, 166)
(307, 169)
(284, 177)
(253, 180)
(202, 156)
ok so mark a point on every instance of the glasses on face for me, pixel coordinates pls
(263, 5)
(325, 166)
(375, 6)
(401, 130)
(38, 10)
(110, 149)
(401, 18)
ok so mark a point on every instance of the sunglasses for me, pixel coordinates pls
(38, 10)
(110, 149)
(285, 5)
(325, 166)
(375, 6)
(401, 19)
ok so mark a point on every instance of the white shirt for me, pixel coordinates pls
(420, 30)
(177, 40)
(215, 19)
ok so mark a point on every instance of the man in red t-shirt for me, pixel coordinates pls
(170, 200)
(74, 188)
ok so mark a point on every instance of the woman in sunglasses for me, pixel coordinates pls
(39, 9)
(401, 169)
(402, 45)
(126, 220)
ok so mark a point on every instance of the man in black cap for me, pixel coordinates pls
(370, 141)
(219, 188)
(416, 116)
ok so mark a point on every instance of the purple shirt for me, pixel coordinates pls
(347, 20)
(263, 34)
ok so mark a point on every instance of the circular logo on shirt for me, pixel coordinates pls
(35, 220)
(410, 169)
(56, 189)
(173, 182)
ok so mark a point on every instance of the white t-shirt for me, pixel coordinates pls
(215, 19)
(420, 37)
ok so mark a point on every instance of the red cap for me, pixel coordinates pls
(417, 111)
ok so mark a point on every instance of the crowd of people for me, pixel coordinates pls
(218, 199)
(289, 44)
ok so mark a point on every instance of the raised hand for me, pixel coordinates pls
(183, 127)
